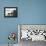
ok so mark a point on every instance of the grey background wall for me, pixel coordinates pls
(29, 12)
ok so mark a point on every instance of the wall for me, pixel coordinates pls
(29, 12)
(33, 11)
(7, 25)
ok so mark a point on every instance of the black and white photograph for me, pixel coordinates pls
(10, 11)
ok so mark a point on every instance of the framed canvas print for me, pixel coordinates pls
(10, 12)
(33, 32)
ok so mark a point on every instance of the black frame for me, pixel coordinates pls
(11, 16)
